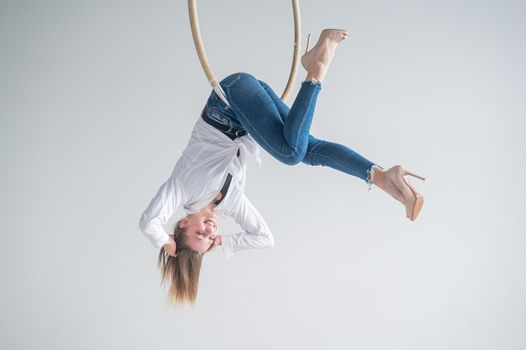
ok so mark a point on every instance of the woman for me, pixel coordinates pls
(209, 178)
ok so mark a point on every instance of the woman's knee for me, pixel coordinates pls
(312, 156)
(289, 161)
(303, 152)
(294, 157)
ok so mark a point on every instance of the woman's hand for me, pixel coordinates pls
(217, 241)
(170, 247)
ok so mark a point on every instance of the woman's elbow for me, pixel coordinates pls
(270, 240)
(142, 224)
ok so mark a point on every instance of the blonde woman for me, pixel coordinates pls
(209, 178)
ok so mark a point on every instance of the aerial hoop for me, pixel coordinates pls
(198, 42)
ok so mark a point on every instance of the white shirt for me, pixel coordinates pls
(197, 178)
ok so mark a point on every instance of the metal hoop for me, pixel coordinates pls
(203, 59)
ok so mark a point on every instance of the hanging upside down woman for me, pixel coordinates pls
(209, 178)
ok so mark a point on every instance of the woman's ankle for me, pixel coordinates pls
(376, 175)
(318, 71)
(311, 79)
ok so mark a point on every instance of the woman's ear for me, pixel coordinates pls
(184, 222)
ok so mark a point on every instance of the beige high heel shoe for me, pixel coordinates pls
(413, 199)
(316, 61)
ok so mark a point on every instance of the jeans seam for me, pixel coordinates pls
(301, 125)
(329, 158)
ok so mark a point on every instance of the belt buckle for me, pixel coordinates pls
(240, 132)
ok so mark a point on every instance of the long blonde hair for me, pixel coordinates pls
(180, 272)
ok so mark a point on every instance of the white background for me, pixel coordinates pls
(97, 100)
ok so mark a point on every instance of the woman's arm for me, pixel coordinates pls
(256, 235)
(169, 197)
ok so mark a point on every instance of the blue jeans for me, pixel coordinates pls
(282, 132)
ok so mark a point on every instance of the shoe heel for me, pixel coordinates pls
(414, 175)
(304, 59)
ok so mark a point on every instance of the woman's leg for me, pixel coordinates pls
(286, 139)
(339, 157)
(326, 153)
(342, 158)
(276, 118)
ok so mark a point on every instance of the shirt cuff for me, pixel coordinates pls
(159, 243)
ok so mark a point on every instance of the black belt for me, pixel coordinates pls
(231, 133)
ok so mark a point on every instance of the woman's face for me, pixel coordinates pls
(201, 230)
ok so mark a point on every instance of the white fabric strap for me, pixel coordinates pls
(219, 91)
